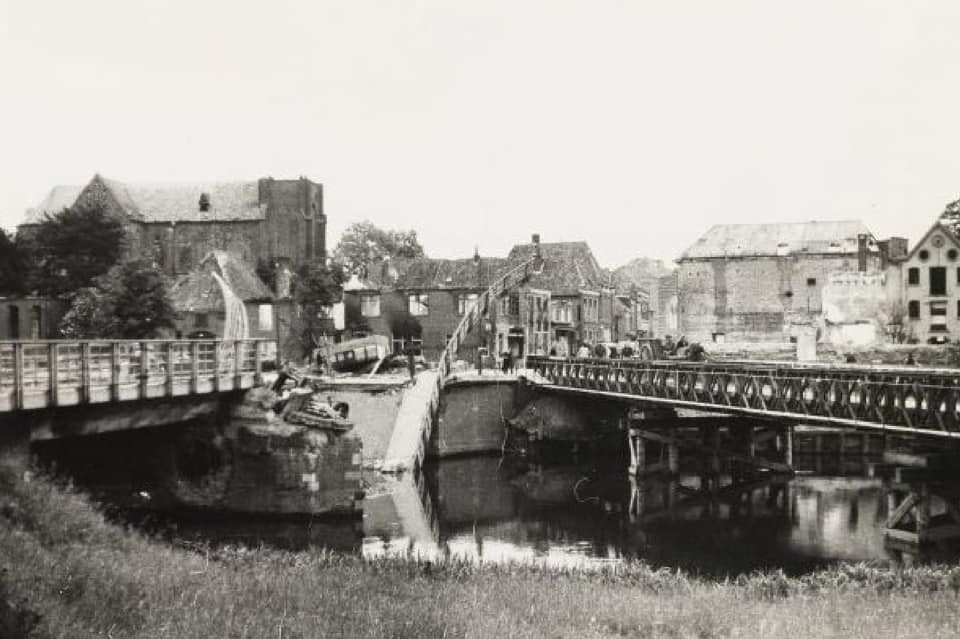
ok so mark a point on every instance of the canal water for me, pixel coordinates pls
(587, 514)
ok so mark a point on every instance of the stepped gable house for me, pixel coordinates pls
(178, 224)
(418, 302)
(754, 282)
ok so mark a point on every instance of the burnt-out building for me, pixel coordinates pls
(223, 297)
(176, 225)
(755, 282)
(418, 302)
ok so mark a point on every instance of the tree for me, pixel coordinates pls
(951, 216)
(130, 301)
(13, 267)
(316, 289)
(892, 317)
(72, 248)
(363, 243)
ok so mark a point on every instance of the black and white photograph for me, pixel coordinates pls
(460, 319)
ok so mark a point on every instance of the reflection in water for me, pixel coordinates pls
(485, 509)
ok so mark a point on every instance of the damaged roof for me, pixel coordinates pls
(568, 267)
(163, 202)
(424, 273)
(199, 291)
(755, 240)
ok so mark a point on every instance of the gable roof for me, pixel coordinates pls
(59, 198)
(198, 291)
(756, 240)
(568, 267)
(164, 202)
(938, 226)
(424, 273)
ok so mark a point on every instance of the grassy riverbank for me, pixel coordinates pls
(85, 577)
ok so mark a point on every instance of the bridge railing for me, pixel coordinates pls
(40, 374)
(900, 399)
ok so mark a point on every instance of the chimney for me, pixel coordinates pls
(862, 252)
(538, 256)
(263, 190)
(476, 262)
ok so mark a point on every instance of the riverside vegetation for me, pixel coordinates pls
(68, 572)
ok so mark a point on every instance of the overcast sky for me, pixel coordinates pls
(632, 125)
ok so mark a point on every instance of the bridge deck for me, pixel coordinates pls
(41, 374)
(921, 401)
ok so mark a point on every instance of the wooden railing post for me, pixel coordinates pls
(144, 369)
(216, 366)
(114, 371)
(53, 370)
(18, 375)
(195, 366)
(85, 372)
(168, 379)
(238, 363)
(257, 362)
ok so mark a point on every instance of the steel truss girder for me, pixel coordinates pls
(920, 401)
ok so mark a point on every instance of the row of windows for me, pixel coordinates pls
(924, 254)
(264, 318)
(938, 309)
(938, 279)
(418, 304)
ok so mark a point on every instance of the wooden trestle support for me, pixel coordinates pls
(749, 444)
(759, 456)
(923, 501)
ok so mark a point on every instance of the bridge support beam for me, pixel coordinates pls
(923, 504)
(746, 445)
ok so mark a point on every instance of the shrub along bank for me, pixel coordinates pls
(67, 572)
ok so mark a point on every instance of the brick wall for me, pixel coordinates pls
(294, 225)
(750, 298)
(17, 317)
(434, 327)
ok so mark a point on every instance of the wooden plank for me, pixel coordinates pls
(917, 459)
(144, 370)
(881, 471)
(18, 376)
(216, 367)
(905, 536)
(85, 372)
(195, 366)
(238, 364)
(168, 378)
(115, 371)
(901, 510)
(52, 371)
